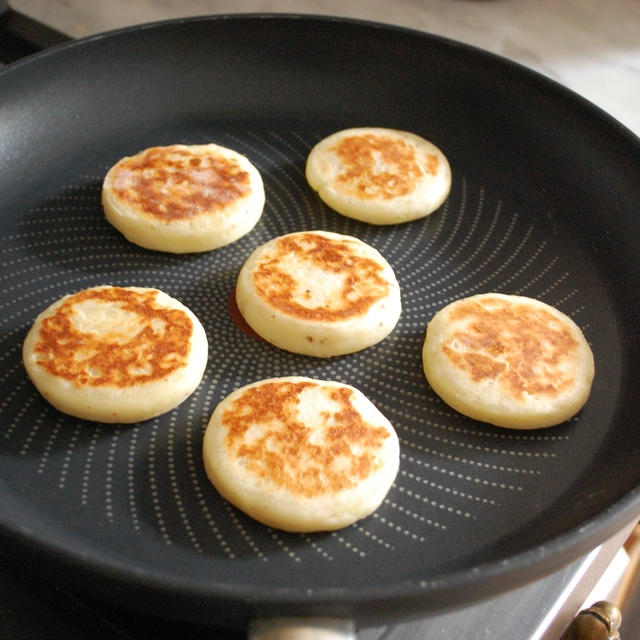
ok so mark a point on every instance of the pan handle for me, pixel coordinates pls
(21, 36)
(302, 629)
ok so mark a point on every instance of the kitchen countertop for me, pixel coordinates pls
(590, 47)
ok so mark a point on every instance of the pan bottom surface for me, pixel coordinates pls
(134, 499)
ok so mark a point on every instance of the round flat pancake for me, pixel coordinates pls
(318, 293)
(380, 176)
(116, 354)
(508, 360)
(183, 198)
(301, 454)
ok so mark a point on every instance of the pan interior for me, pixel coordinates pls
(467, 494)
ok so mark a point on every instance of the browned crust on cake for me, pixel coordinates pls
(172, 183)
(288, 454)
(364, 280)
(109, 358)
(524, 348)
(405, 166)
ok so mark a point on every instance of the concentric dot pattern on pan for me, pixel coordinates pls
(144, 484)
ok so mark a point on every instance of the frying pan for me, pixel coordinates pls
(544, 203)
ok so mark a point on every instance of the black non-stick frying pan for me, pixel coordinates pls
(544, 203)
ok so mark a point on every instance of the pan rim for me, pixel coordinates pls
(420, 596)
(498, 58)
(568, 546)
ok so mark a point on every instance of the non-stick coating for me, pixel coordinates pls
(544, 203)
